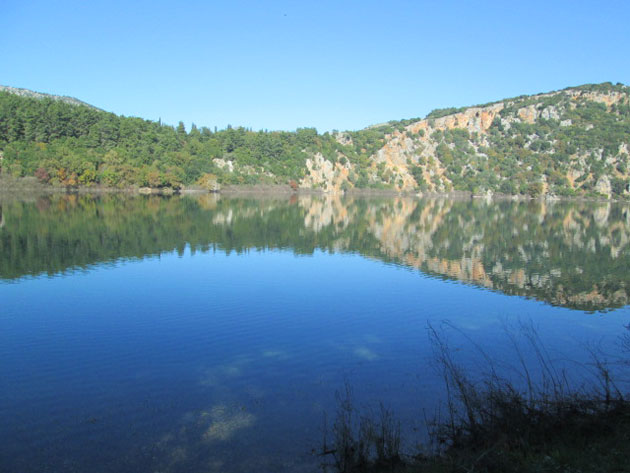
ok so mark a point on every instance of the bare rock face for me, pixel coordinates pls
(550, 113)
(607, 98)
(325, 175)
(528, 114)
(344, 138)
(224, 164)
(603, 186)
(474, 119)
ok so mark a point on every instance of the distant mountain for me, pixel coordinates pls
(572, 142)
(39, 95)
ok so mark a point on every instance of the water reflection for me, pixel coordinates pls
(571, 254)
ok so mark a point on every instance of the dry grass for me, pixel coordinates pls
(541, 422)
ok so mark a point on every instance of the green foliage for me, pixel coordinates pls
(620, 185)
(86, 145)
(442, 112)
(535, 188)
(418, 175)
(570, 133)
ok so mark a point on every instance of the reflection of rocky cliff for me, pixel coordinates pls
(569, 254)
(566, 254)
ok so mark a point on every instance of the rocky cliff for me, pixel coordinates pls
(569, 142)
(555, 252)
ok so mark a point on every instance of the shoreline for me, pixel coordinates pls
(32, 186)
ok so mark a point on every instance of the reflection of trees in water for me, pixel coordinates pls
(1, 217)
(574, 254)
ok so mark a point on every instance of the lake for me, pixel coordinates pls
(212, 333)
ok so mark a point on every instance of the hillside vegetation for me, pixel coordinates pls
(572, 142)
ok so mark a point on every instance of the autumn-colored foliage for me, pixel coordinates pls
(42, 175)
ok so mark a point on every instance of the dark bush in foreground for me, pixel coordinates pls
(495, 425)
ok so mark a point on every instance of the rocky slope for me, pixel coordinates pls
(573, 141)
(40, 95)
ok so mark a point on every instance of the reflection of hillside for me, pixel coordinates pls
(569, 254)
(580, 267)
(516, 248)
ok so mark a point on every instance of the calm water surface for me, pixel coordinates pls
(211, 334)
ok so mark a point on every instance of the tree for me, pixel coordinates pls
(42, 175)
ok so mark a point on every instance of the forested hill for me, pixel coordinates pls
(569, 142)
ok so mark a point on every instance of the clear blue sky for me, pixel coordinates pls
(287, 64)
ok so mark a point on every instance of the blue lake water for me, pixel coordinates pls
(212, 334)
